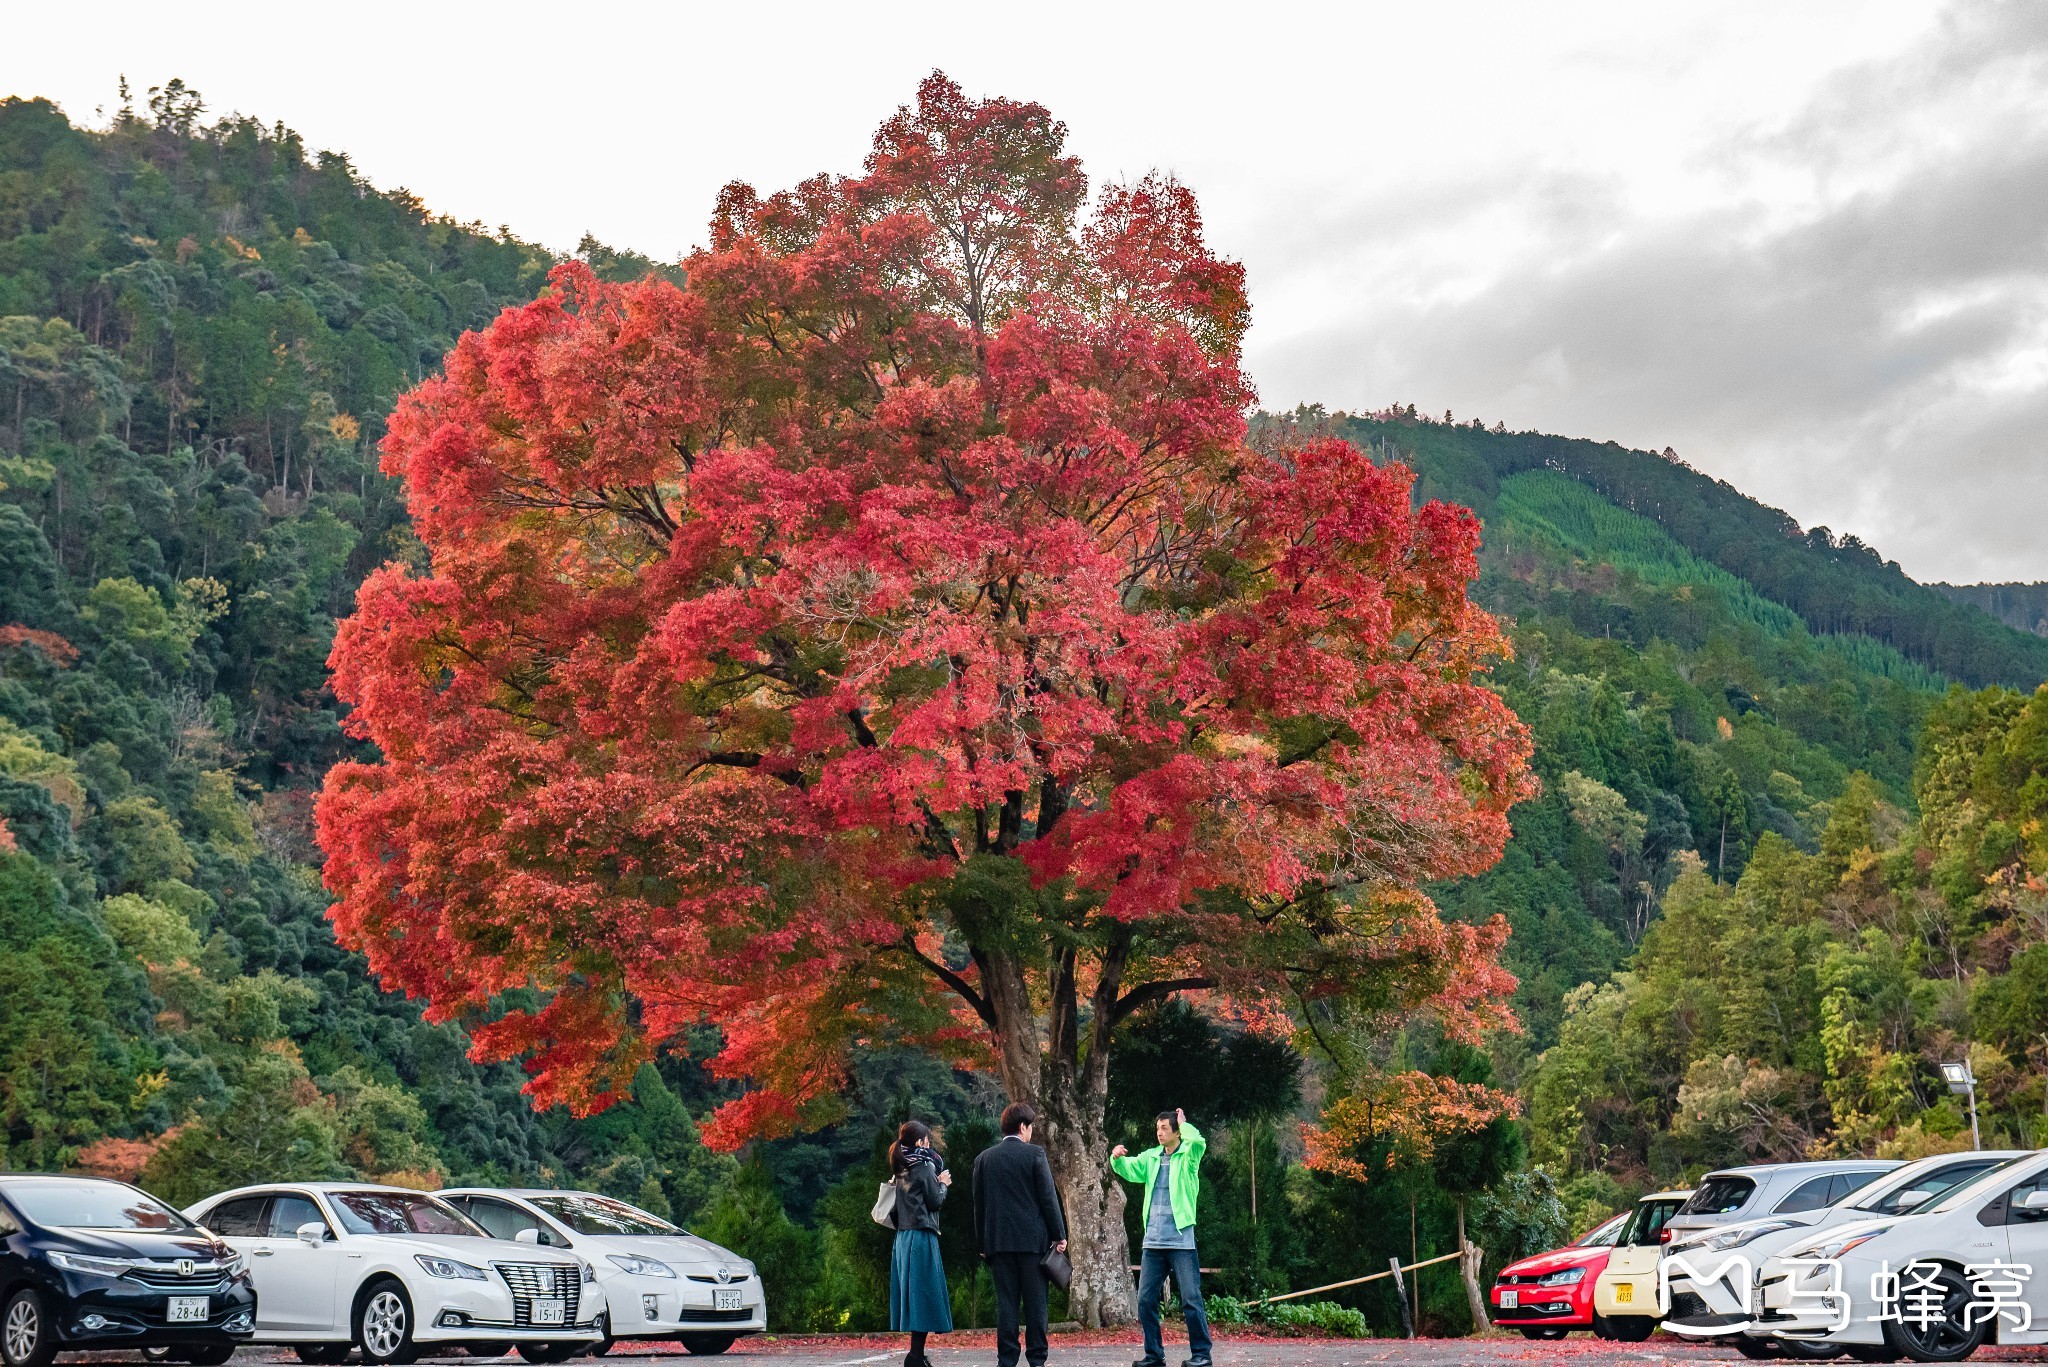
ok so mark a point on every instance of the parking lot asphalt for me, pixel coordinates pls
(977, 1349)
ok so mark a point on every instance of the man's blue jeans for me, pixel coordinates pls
(1187, 1278)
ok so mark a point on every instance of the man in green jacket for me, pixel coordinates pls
(1170, 1175)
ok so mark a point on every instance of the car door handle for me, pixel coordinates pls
(265, 1252)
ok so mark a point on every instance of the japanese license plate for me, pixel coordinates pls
(1624, 1293)
(187, 1310)
(723, 1299)
(548, 1310)
(1509, 1300)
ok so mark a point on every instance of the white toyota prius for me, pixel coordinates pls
(1931, 1285)
(392, 1270)
(659, 1281)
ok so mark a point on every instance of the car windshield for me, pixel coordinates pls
(82, 1203)
(1600, 1236)
(1985, 1185)
(600, 1215)
(1936, 1183)
(1646, 1223)
(399, 1212)
(1720, 1196)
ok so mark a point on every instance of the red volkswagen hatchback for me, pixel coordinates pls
(1552, 1293)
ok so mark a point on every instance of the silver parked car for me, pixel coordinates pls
(1732, 1195)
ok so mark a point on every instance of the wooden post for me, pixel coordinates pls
(1468, 1269)
(1401, 1295)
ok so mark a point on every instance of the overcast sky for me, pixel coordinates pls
(1804, 244)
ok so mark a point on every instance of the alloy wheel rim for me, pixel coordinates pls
(23, 1329)
(384, 1324)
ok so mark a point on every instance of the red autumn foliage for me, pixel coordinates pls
(121, 1159)
(62, 653)
(894, 636)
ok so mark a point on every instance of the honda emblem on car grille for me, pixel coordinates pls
(186, 1267)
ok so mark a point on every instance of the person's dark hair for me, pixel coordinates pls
(1017, 1115)
(908, 1136)
(1170, 1118)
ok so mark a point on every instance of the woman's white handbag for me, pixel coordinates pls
(884, 1213)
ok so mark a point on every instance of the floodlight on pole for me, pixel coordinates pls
(1962, 1082)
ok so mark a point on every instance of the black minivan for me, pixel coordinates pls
(89, 1264)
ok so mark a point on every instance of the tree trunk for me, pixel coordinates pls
(1102, 1294)
(1071, 1094)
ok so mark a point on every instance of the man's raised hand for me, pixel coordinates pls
(1118, 1152)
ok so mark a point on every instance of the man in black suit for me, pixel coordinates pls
(1016, 1219)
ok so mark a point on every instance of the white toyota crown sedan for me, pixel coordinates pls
(659, 1281)
(392, 1270)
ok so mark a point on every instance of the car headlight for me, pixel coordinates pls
(1570, 1276)
(589, 1274)
(450, 1267)
(642, 1267)
(230, 1264)
(1828, 1249)
(1739, 1235)
(99, 1267)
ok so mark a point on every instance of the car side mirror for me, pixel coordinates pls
(529, 1235)
(1909, 1199)
(312, 1232)
(2037, 1199)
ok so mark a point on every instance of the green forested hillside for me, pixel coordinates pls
(1837, 584)
(1744, 849)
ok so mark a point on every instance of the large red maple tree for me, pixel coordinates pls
(892, 635)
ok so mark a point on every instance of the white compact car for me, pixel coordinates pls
(1709, 1275)
(1932, 1285)
(659, 1281)
(391, 1270)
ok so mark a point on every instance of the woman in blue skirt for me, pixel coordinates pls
(918, 1301)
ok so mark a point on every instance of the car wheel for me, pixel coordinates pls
(708, 1345)
(26, 1337)
(1945, 1339)
(383, 1326)
(321, 1354)
(1631, 1328)
(1756, 1349)
(548, 1352)
(604, 1344)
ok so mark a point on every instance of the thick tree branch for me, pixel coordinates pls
(1152, 992)
(959, 985)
